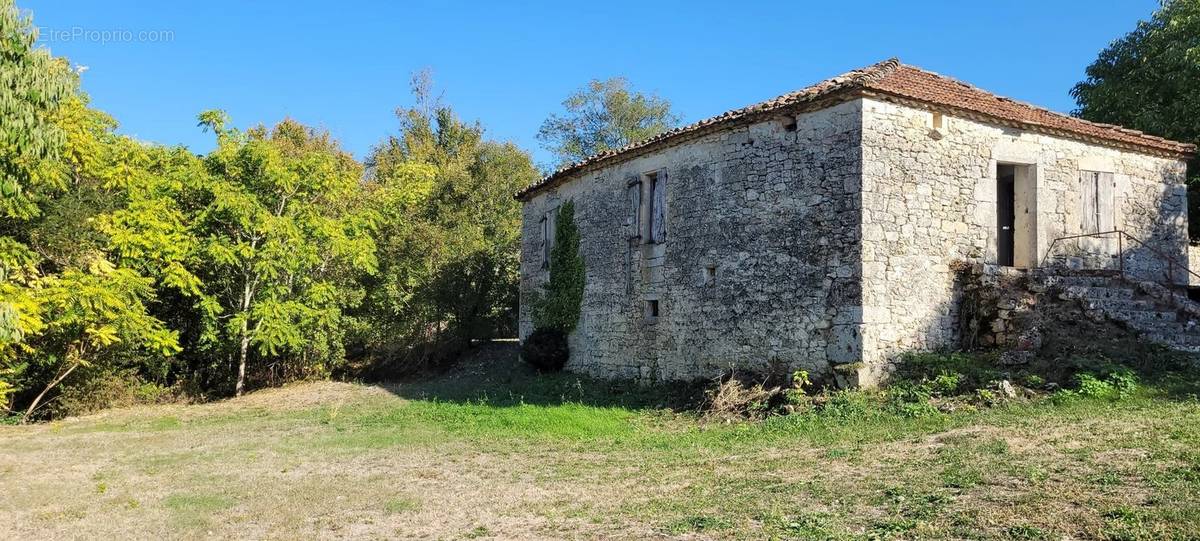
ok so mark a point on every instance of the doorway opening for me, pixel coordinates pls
(1016, 215)
(1006, 213)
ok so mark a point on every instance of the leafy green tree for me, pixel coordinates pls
(33, 87)
(604, 115)
(1149, 80)
(64, 303)
(449, 236)
(83, 304)
(282, 241)
(251, 263)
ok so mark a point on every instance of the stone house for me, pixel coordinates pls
(820, 228)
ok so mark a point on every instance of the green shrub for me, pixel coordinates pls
(546, 349)
(1033, 381)
(951, 373)
(1119, 384)
(986, 396)
(797, 396)
(914, 399)
(849, 404)
(914, 409)
(1088, 385)
(1124, 383)
(95, 390)
(946, 384)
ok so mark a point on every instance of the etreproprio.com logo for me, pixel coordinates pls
(97, 35)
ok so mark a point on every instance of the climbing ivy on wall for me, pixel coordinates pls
(559, 304)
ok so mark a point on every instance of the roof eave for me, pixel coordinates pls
(562, 176)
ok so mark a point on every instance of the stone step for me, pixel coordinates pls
(1122, 304)
(1138, 318)
(1118, 300)
(1100, 293)
(1174, 338)
(1088, 281)
(1177, 327)
(1184, 327)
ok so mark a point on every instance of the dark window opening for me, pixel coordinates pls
(652, 308)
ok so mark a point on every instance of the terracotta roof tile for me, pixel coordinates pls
(924, 86)
(895, 81)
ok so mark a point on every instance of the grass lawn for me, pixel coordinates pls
(491, 451)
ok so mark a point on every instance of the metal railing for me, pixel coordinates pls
(1122, 236)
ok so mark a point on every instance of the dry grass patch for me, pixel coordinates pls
(503, 454)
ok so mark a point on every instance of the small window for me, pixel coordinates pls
(710, 274)
(937, 121)
(652, 309)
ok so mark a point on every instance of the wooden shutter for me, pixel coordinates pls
(548, 222)
(633, 190)
(1105, 214)
(545, 242)
(1088, 196)
(658, 219)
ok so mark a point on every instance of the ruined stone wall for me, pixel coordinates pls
(929, 198)
(773, 210)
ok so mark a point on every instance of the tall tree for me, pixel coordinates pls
(64, 301)
(1149, 79)
(449, 235)
(90, 281)
(283, 242)
(604, 115)
(33, 87)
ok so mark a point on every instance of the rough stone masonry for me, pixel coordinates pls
(817, 231)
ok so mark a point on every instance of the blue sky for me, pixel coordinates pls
(346, 65)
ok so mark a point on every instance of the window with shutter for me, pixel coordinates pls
(634, 193)
(547, 237)
(1096, 199)
(649, 197)
(1105, 215)
(658, 214)
(1089, 211)
(545, 242)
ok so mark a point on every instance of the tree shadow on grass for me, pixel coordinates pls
(492, 374)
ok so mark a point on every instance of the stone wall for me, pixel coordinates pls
(830, 241)
(774, 211)
(929, 198)
(1194, 265)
